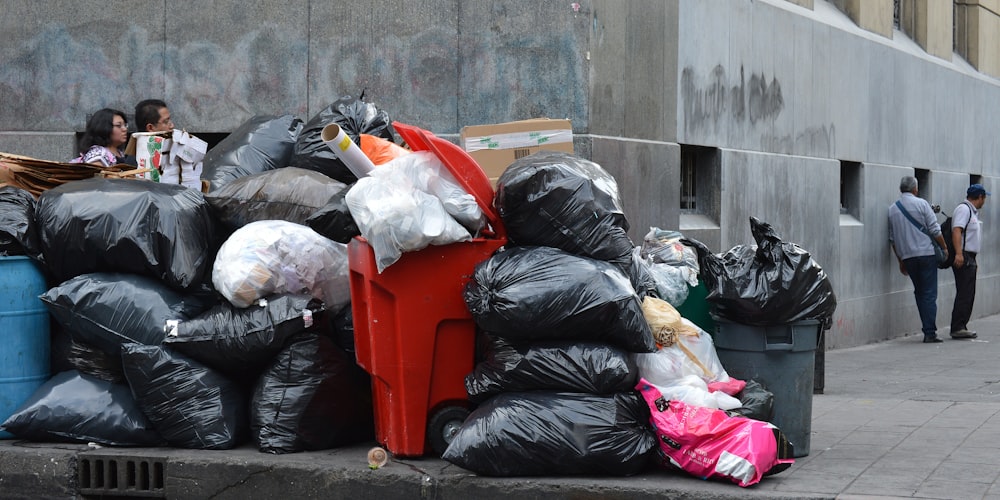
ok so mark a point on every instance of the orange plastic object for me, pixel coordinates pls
(413, 332)
(379, 150)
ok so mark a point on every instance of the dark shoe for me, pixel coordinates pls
(964, 334)
(932, 340)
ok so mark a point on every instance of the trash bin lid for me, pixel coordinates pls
(466, 171)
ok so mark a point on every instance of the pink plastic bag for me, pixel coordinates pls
(707, 442)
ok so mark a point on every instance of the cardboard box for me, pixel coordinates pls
(495, 147)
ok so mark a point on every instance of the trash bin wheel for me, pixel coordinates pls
(443, 426)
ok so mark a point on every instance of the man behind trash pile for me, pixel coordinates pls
(967, 238)
(153, 115)
(915, 252)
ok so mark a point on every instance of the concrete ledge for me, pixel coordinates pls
(54, 146)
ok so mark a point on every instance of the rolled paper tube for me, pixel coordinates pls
(341, 144)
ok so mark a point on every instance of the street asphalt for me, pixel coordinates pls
(897, 419)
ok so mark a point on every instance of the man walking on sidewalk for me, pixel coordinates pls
(967, 239)
(915, 251)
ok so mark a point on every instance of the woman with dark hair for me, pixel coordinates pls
(104, 140)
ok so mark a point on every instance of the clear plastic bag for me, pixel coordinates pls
(275, 256)
(410, 203)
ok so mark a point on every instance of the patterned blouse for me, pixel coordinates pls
(98, 154)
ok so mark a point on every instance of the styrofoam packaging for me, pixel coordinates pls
(338, 141)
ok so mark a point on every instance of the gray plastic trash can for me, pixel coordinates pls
(783, 359)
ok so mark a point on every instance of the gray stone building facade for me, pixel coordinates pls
(804, 114)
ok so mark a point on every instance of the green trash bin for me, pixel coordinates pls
(696, 309)
(782, 358)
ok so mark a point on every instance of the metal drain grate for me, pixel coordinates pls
(121, 476)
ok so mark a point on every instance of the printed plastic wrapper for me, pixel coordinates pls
(567, 365)
(543, 293)
(708, 443)
(667, 248)
(74, 407)
(313, 396)
(160, 230)
(273, 256)
(543, 433)
(410, 203)
(290, 194)
(262, 143)
(563, 201)
(239, 340)
(189, 404)
(772, 283)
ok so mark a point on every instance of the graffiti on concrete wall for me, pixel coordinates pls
(714, 104)
(53, 80)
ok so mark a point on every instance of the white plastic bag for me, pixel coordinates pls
(274, 256)
(409, 203)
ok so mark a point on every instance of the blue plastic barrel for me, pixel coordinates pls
(24, 334)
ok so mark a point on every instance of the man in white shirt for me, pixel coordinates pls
(967, 238)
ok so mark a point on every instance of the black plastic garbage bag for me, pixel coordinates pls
(290, 194)
(334, 220)
(544, 433)
(239, 340)
(355, 117)
(190, 405)
(161, 230)
(312, 397)
(74, 407)
(558, 365)
(543, 293)
(106, 310)
(262, 143)
(17, 226)
(560, 200)
(768, 284)
(92, 361)
(756, 402)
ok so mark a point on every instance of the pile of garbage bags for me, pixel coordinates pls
(206, 320)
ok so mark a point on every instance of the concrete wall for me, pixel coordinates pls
(782, 91)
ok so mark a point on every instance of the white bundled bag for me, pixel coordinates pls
(274, 256)
(686, 361)
(410, 203)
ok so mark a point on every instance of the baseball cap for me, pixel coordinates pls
(976, 190)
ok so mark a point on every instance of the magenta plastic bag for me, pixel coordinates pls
(708, 443)
(771, 283)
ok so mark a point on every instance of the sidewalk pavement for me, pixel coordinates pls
(897, 419)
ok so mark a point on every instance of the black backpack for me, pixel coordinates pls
(946, 232)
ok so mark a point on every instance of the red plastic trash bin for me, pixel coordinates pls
(413, 332)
